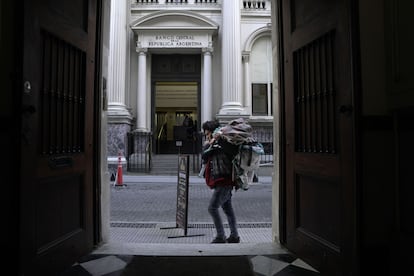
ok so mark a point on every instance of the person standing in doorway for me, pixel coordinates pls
(217, 156)
(188, 123)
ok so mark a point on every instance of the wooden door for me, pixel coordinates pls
(319, 136)
(56, 190)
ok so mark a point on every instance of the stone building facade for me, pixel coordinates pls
(206, 59)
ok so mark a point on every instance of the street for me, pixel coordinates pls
(153, 199)
(147, 204)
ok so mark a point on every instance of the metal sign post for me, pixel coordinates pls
(179, 144)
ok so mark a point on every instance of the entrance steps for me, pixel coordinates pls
(167, 164)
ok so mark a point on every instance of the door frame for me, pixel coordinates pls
(99, 107)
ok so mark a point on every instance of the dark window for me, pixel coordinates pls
(260, 99)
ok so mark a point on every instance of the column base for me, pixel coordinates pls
(230, 111)
(141, 130)
(119, 114)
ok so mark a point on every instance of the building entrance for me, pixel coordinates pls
(175, 101)
(176, 117)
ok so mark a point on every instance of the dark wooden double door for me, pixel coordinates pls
(58, 139)
(318, 140)
(57, 192)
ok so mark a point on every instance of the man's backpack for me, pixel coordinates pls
(246, 162)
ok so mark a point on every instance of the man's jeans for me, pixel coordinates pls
(222, 198)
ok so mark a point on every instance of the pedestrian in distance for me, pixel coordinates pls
(188, 123)
(217, 156)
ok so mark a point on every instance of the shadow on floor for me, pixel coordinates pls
(189, 266)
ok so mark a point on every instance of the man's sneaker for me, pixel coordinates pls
(232, 239)
(218, 240)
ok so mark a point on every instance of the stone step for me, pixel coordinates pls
(167, 164)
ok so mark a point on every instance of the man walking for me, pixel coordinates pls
(217, 156)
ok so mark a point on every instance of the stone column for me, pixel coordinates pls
(119, 117)
(231, 62)
(247, 84)
(141, 136)
(142, 90)
(206, 92)
(117, 110)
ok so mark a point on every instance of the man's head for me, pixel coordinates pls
(209, 126)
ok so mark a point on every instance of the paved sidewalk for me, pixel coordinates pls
(147, 204)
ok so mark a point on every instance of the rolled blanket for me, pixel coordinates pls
(237, 132)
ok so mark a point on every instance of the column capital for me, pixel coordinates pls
(207, 50)
(246, 56)
(141, 50)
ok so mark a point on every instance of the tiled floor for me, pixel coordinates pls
(111, 265)
(151, 248)
(191, 259)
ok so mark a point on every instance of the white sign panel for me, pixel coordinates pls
(174, 41)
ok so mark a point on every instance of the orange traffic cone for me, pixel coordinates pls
(118, 178)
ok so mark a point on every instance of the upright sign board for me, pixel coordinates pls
(182, 193)
(181, 216)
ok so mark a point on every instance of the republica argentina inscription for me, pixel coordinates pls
(174, 41)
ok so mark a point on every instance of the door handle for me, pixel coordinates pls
(27, 86)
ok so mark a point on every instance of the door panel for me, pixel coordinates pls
(319, 122)
(57, 134)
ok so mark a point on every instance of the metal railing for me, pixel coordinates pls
(264, 135)
(139, 158)
(161, 136)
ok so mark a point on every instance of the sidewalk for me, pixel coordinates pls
(147, 204)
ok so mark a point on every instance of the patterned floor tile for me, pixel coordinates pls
(117, 265)
(104, 265)
(267, 266)
(292, 270)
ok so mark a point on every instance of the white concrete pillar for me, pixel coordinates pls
(206, 92)
(116, 63)
(142, 90)
(247, 84)
(231, 60)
